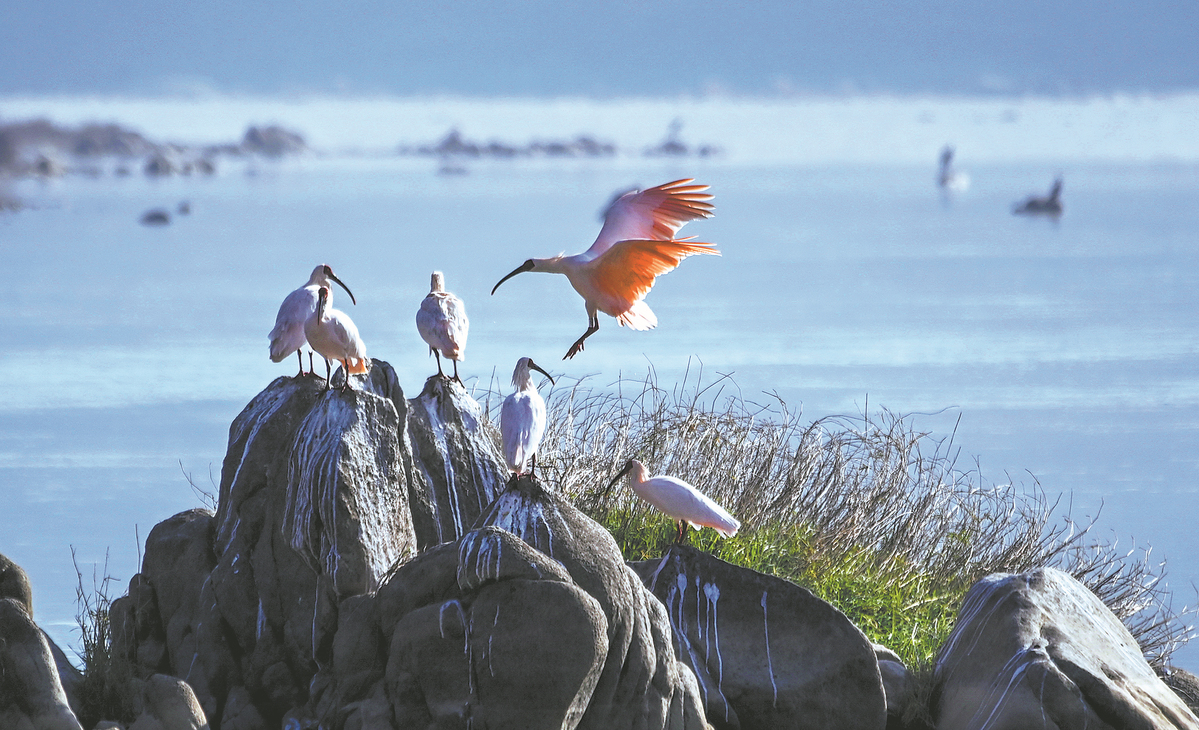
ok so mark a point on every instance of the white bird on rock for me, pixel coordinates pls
(678, 500)
(636, 244)
(522, 418)
(332, 333)
(288, 335)
(441, 321)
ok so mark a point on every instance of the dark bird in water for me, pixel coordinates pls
(1043, 205)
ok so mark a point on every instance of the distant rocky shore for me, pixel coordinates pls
(371, 565)
(41, 148)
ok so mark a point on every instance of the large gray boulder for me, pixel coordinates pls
(1039, 649)
(14, 584)
(313, 509)
(31, 695)
(642, 683)
(456, 469)
(531, 620)
(768, 653)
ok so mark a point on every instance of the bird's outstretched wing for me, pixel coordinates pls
(626, 272)
(654, 214)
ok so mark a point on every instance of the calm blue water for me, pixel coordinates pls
(1066, 349)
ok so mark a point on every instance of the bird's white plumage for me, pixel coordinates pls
(681, 501)
(442, 323)
(334, 335)
(522, 418)
(288, 335)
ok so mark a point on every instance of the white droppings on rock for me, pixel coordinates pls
(453, 603)
(769, 664)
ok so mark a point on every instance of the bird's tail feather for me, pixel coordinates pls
(638, 317)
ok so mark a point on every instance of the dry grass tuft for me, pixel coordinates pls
(864, 503)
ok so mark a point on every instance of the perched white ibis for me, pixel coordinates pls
(441, 321)
(332, 333)
(636, 244)
(522, 418)
(1050, 204)
(678, 500)
(288, 335)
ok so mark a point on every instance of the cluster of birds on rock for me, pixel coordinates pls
(636, 244)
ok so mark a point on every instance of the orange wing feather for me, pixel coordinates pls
(626, 272)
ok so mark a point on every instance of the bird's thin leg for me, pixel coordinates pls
(328, 372)
(345, 369)
(301, 359)
(681, 538)
(311, 367)
(592, 328)
(456, 373)
(533, 465)
(440, 373)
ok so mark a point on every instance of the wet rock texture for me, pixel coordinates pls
(313, 509)
(370, 565)
(456, 468)
(767, 652)
(1038, 649)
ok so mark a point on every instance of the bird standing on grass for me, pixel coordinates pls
(332, 333)
(636, 244)
(288, 335)
(441, 321)
(678, 500)
(522, 419)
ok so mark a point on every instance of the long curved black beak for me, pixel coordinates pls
(526, 266)
(343, 286)
(627, 468)
(533, 365)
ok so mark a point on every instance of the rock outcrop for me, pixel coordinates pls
(31, 694)
(370, 565)
(456, 468)
(1038, 649)
(531, 620)
(313, 508)
(767, 652)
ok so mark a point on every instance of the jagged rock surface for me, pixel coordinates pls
(456, 469)
(1038, 649)
(767, 652)
(313, 509)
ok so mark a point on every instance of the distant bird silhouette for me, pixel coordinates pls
(333, 334)
(948, 178)
(441, 321)
(678, 500)
(636, 244)
(288, 334)
(522, 419)
(1048, 205)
